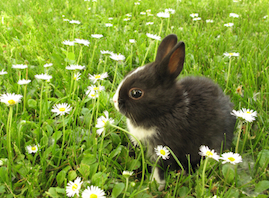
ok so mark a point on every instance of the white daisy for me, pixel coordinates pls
(92, 94)
(194, 15)
(230, 54)
(48, 65)
(231, 157)
(149, 23)
(67, 42)
(234, 15)
(61, 109)
(75, 67)
(43, 77)
(170, 10)
(3, 72)
(97, 36)
(143, 13)
(126, 19)
(10, 99)
(163, 14)
(74, 21)
(229, 25)
(137, 3)
(82, 41)
(245, 114)
(127, 174)
(93, 192)
(153, 36)
(110, 18)
(102, 121)
(96, 77)
(24, 82)
(196, 19)
(32, 149)
(132, 40)
(106, 52)
(66, 20)
(77, 76)
(205, 151)
(209, 21)
(95, 88)
(19, 66)
(128, 15)
(117, 57)
(108, 25)
(73, 188)
(265, 17)
(162, 152)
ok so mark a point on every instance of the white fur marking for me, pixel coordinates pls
(155, 175)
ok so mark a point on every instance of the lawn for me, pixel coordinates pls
(64, 60)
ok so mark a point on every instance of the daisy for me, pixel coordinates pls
(19, 66)
(43, 77)
(143, 13)
(110, 18)
(92, 94)
(127, 174)
(61, 109)
(96, 77)
(234, 15)
(93, 192)
(170, 10)
(194, 15)
(73, 188)
(117, 57)
(230, 54)
(97, 36)
(48, 65)
(95, 88)
(108, 25)
(228, 24)
(132, 40)
(149, 23)
(205, 151)
(128, 15)
(163, 14)
(162, 152)
(66, 20)
(3, 72)
(77, 76)
(209, 21)
(106, 52)
(126, 19)
(153, 36)
(75, 67)
(245, 114)
(265, 17)
(102, 121)
(137, 3)
(24, 82)
(82, 41)
(74, 21)
(67, 42)
(32, 149)
(10, 99)
(231, 157)
(196, 19)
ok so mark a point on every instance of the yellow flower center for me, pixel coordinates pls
(162, 152)
(11, 102)
(93, 196)
(33, 148)
(74, 187)
(231, 159)
(75, 78)
(209, 153)
(96, 88)
(231, 54)
(104, 121)
(248, 112)
(97, 76)
(62, 109)
(92, 95)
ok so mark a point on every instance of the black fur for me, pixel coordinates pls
(186, 114)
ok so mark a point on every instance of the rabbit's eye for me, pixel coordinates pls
(136, 93)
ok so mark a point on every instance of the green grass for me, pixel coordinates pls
(32, 32)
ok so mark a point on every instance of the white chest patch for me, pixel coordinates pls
(140, 133)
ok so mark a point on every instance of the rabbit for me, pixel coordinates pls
(181, 114)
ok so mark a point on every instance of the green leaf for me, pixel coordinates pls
(183, 191)
(88, 159)
(232, 193)
(263, 157)
(61, 177)
(57, 135)
(118, 188)
(99, 179)
(115, 138)
(72, 175)
(93, 169)
(2, 189)
(32, 103)
(115, 152)
(4, 175)
(228, 172)
(84, 170)
(262, 186)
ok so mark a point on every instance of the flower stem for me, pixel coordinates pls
(126, 187)
(203, 175)
(115, 74)
(9, 148)
(239, 134)
(62, 142)
(146, 53)
(228, 74)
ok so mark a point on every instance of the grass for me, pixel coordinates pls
(32, 33)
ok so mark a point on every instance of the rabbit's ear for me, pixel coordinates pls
(172, 64)
(165, 47)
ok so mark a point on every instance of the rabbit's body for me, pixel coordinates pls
(182, 115)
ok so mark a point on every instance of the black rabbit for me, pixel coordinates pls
(182, 115)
